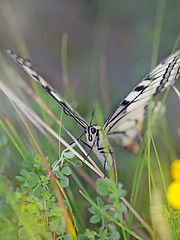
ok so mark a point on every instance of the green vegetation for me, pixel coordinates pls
(52, 189)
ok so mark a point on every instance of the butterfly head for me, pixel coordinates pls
(91, 133)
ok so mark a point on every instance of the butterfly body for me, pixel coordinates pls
(97, 141)
(126, 124)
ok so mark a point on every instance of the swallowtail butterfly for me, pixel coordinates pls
(125, 124)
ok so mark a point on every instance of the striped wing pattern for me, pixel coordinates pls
(127, 121)
(28, 67)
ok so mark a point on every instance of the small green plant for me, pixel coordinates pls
(53, 190)
(107, 215)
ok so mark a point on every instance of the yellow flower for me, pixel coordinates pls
(175, 170)
(24, 198)
(173, 194)
(24, 206)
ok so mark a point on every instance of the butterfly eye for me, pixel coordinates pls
(93, 130)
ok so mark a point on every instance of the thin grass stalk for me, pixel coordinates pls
(13, 25)
(27, 111)
(12, 138)
(13, 130)
(45, 107)
(70, 227)
(64, 57)
(164, 185)
(160, 11)
(69, 205)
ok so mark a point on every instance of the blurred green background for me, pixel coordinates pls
(110, 40)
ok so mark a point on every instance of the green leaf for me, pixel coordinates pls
(55, 212)
(44, 180)
(90, 234)
(22, 233)
(123, 207)
(93, 210)
(95, 219)
(37, 189)
(69, 155)
(114, 235)
(54, 224)
(37, 160)
(47, 195)
(102, 186)
(33, 199)
(24, 173)
(54, 164)
(75, 162)
(29, 161)
(32, 180)
(33, 175)
(64, 182)
(82, 237)
(112, 186)
(100, 203)
(106, 207)
(122, 193)
(66, 171)
(26, 218)
(20, 178)
(112, 197)
(59, 175)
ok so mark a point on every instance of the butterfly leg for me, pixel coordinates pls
(87, 145)
(79, 138)
(90, 147)
(106, 152)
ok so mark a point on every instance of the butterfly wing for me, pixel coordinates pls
(126, 123)
(28, 67)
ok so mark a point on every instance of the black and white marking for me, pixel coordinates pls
(126, 123)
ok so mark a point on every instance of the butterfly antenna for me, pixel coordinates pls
(93, 111)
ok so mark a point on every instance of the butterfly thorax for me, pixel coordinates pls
(97, 140)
